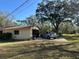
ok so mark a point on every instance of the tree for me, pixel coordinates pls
(5, 22)
(20, 22)
(43, 27)
(76, 22)
(46, 27)
(56, 10)
(66, 27)
(32, 20)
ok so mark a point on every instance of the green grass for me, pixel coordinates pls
(73, 40)
(71, 35)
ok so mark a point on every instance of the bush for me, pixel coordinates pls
(6, 36)
(1, 36)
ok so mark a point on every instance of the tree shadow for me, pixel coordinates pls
(62, 52)
(52, 52)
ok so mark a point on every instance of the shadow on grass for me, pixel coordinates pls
(52, 52)
(11, 40)
(71, 37)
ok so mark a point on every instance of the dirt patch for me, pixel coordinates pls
(61, 40)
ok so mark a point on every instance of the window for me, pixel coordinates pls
(16, 32)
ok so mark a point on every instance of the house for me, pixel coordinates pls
(21, 32)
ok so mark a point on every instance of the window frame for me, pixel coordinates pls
(16, 32)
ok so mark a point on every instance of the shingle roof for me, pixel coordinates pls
(17, 27)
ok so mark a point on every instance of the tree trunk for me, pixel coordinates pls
(56, 30)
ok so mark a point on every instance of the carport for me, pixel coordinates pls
(35, 32)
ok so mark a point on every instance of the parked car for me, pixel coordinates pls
(49, 35)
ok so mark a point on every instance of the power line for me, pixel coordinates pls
(32, 3)
(17, 8)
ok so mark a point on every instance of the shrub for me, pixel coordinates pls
(6, 36)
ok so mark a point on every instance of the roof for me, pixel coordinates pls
(35, 28)
(17, 27)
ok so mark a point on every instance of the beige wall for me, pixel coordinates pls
(23, 33)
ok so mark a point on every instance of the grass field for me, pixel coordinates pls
(39, 49)
(71, 37)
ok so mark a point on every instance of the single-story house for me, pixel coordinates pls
(21, 32)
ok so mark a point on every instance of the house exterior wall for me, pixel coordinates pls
(23, 33)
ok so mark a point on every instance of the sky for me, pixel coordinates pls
(25, 11)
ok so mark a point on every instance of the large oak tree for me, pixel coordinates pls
(56, 10)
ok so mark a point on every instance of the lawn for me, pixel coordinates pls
(39, 49)
(71, 37)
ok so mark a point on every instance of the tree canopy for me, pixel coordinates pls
(56, 11)
(5, 22)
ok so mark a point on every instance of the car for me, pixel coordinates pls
(49, 35)
(44, 35)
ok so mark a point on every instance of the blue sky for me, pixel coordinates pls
(25, 11)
